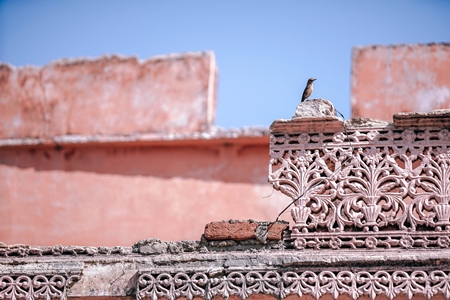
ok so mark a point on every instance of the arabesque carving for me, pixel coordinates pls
(35, 287)
(365, 187)
(282, 284)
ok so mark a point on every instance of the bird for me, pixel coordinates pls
(308, 89)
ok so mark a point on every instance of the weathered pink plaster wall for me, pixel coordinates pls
(114, 150)
(399, 78)
(110, 95)
(118, 195)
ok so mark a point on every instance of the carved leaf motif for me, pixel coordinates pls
(48, 289)
(347, 284)
(440, 283)
(30, 288)
(189, 287)
(301, 283)
(372, 285)
(409, 284)
(237, 285)
(387, 187)
(14, 289)
(357, 187)
(292, 284)
(427, 187)
(330, 284)
(164, 287)
(310, 285)
(420, 211)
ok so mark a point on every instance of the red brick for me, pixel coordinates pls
(230, 230)
(276, 231)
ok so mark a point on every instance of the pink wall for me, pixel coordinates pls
(112, 150)
(400, 78)
(109, 95)
(106, 195)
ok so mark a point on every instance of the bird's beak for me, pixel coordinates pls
(314, 79)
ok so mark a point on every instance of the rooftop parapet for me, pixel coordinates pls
(109, 96)
(364, 183)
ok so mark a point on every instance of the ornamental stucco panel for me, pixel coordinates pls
(369, 186)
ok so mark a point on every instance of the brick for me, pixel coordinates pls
(276, 231)
(230, 230)
(110, 95)
(399, 78)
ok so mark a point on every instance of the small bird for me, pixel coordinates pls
(308, 89)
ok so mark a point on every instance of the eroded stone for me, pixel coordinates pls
(315, 108)
(365, 122)
(435, 118)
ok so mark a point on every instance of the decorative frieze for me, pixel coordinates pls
(282, 284)
(35, 287)
(365, 187)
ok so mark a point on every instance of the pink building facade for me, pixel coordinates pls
(369, 214)
(105, 152)
(399, 78)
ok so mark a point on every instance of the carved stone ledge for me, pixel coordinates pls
(436, 118)
(31, 287)
(242, 273)
(371, 283)
(299, 125)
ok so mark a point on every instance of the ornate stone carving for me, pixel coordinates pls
(282, 284)
(365, 187)
(35, 287)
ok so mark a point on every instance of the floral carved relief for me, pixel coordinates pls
(282, 284)
(35, 287)
(371, 190)
(365, 188)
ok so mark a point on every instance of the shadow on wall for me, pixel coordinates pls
(222, 162)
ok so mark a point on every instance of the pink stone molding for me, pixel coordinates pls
(370, 186)
(35, 287)
(282, 284)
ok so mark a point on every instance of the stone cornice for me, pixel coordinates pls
(279, 273)
(250, 135)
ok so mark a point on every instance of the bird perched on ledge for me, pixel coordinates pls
(308, 89)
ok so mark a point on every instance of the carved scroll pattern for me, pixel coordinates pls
(282, 284)
(34, 287)
(349, 187)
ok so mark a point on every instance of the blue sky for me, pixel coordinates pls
(266, 50)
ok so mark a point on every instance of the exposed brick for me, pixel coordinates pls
(110, 95)
(244, 230)
(276, 231)
(230, 230)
